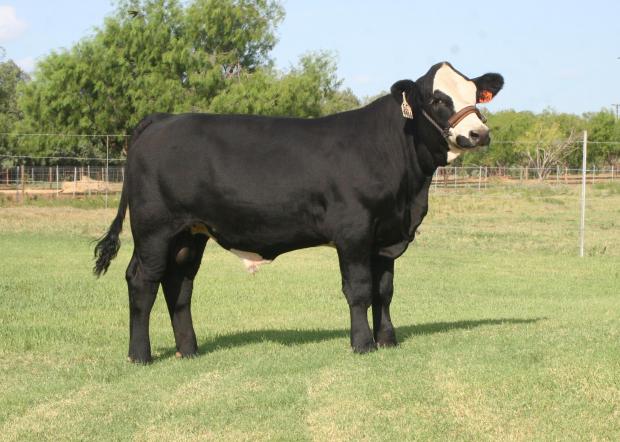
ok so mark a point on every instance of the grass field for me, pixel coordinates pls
(505, 333)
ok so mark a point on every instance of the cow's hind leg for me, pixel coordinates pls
(143, 275)
(383, 288)
(183, 263)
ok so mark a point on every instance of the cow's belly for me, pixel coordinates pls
(251, 252)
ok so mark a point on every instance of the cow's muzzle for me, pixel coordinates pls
(477, 138)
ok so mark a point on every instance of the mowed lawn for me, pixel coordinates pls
(505, 334)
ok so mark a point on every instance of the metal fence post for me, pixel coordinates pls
(582, 226)
(74, 181)
(17, 184)
(107, 161)
(479, 177)
(57, 182)
(88, 182)
(23, 178)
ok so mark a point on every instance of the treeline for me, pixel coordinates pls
(549, 139)
(214, 56)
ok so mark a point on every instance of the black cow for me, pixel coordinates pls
(263, 186)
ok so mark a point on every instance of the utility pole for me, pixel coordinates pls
(616, 106)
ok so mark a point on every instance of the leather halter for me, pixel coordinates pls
(454, 119)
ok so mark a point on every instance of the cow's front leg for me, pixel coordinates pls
(383, 288)
(355, 267)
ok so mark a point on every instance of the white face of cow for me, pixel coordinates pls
(470, 131)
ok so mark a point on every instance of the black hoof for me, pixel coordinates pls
(139, 361)
(180, 355)
(386, 339)
(365, 348)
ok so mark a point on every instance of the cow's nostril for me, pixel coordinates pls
(479, 137)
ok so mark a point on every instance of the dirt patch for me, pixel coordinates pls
(83, 186)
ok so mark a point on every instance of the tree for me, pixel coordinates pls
(506, 127)
(308, 90)
(11, 77)
(546, 146)
(150, 56)
(604, 133)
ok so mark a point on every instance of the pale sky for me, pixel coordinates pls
(558, 54)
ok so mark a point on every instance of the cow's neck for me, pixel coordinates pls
(431, 148)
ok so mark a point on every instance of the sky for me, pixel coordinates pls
(563, 55)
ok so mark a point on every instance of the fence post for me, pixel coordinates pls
(17, 184)
(454, 168)
(107, 161)
(74, 181)
(612, 174)
(88, 174)
(23, 175)
(593, 172)
(57, 182)
(582, 226)
(479, 178)
(557, 174)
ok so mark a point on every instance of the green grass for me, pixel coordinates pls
(505, 334)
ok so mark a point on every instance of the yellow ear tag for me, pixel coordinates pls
(406, 109)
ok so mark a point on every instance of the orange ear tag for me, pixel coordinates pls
(485, 96)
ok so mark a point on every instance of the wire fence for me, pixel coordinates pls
(492, 187)
(21, 182)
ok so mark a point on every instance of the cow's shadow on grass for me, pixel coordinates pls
(306, 336)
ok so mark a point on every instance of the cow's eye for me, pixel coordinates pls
(439, 101)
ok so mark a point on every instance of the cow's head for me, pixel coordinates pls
(444, 101)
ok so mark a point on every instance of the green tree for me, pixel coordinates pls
(506, 127)
(311, 89)
(545, 145)
(11, 77)
(150, 56)
(604, 135)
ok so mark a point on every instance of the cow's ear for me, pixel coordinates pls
(488, 85)
(397, 89)
(403, 92)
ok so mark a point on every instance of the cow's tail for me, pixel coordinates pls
(108, 245)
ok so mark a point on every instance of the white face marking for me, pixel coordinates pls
(252, 261)
(452, 155)
(463, 93)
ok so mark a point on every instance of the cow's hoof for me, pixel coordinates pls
(386, 339)
(365, 348)
(142, 361)
(387, 343)
(180, 355)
